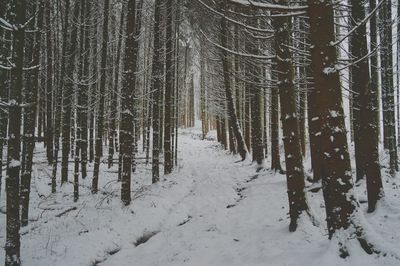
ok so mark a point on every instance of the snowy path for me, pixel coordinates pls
(210, 211)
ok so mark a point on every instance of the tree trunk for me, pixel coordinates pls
(114, 102)
(335, 163)
(169, 87)
(30, 94)
(100, 118)
(68, 92)
(12, 246)
(290, 124)
(242, 149)
(388, 107)
(275, 156)
(157, 89)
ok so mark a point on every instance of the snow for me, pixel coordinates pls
(211, 210)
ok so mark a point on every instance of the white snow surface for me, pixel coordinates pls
(213, 210)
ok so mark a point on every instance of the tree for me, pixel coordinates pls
(290, 124)
(336, 177)
(17, 18)
(100, 116)
(68, 91)
(242, 149)
(169, 87)
(365, 105)
(30, 92)
(388, 104)
(157, 73)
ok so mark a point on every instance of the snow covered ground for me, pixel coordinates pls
(211, 211)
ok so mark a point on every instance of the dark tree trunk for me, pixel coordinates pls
(113, 114)
(365, 102)
(30, 94)
(242, 149)
(127, 120)
(169, 87)
(157, 89)
(49, 86)
(12, 246)
(100, 117)
(291, 135)
(335, 163)
(254, 72)
(388, 106)
(274, 111)
(68, 92)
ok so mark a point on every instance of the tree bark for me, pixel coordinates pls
(100, 117)
(290, 123)
(337, 182)
(242, 149)
(12, 246)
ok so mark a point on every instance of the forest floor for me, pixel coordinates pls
(213, 210)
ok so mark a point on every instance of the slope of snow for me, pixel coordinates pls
(211, 211)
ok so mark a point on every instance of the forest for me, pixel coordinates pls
(199, 132)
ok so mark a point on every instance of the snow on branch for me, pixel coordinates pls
(272, 7)
(263, 57)
(232, 20)
(359, 24)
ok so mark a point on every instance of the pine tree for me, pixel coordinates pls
(12, 247)
(100, 116)
(290, 124)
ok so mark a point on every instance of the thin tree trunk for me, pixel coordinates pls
(157, 89)
(100, 118)
(388, 107)
(169, 87)
(242, 149)
(68, 92)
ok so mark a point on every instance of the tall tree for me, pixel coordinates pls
(365, 105)
(157, 73)
(169, 87)
(17, 18)
(100, 115)
(290, 124)
(68, 91)
(388, 104)
(336, 177)
(242, 149)
(30, 92)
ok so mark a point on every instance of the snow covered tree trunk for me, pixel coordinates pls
(12, 245)
(388, 105)
(169, 87)
(242, 149)
(254, 72)
(275, 155)
(157, 80)
(366, 133)
(85, 95)
(4, 89)
(30, 92)
(49, 86)
(177, 86)
(100, 116)
(113, 113)
(126, 127)
(59, 99)
(337, 182)
(290, 124)
(68, 92)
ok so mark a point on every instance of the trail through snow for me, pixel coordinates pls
(210, 211)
